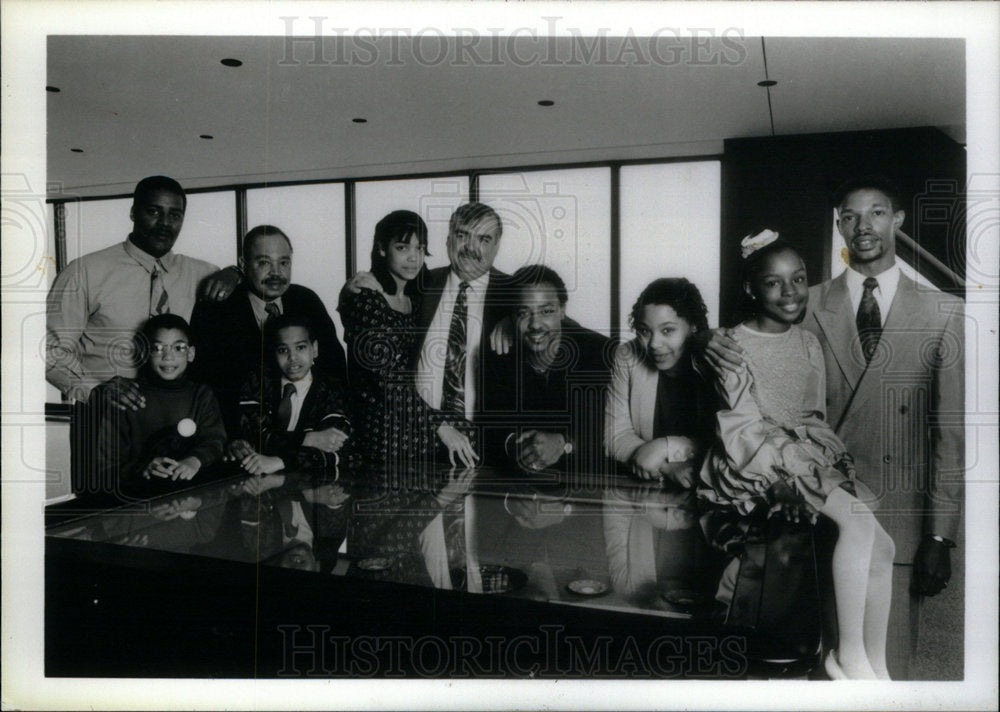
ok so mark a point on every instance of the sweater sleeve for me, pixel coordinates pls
(211, 432)
(620, 438)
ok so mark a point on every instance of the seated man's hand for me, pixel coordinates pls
(363, 280)
(332, 495)
(720, 350)
(257, 464)
(238, 450)
(681, 474)
(931, 568)
(187, 468)
(160, 467)
(329, 440)
(457, 444)
(502, 336)
(222, 284)
(123, 394)
(648, 458)
(680, 448)
(458, 484)
(537, 450)
(262, 483)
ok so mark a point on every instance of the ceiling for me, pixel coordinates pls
(137, 105)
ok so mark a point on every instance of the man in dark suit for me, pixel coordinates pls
(459, 306)
(229, 333)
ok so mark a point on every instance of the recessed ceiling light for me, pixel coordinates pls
(76, 150)
(546, 102)
(206, 136)
(767, 83)
(54, 90)
(360, 121)
(230, 62)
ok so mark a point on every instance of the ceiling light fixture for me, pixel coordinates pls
(230, 62)
(76, 150)
(546, 102)
(207, 137)
(360, 121)
(54, 90)
(767, 83)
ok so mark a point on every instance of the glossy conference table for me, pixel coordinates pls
(475, 573)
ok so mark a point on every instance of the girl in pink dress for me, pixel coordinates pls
(775, 449)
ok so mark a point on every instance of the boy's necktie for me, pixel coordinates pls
(869, 319)
(453, 391)
(157, 294)
(285, 406)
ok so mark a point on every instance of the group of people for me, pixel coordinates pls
(823, 400)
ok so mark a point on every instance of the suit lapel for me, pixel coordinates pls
(897, 334)
(836, 319)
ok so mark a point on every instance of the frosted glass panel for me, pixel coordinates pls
(561, 219)
(434, 199)
(209, 231)
(313, 218)
(95, 224)
(670, 218)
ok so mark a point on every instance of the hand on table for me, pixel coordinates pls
(168, 468)
(681, 474)
(332, 495)
(257, 464)
(238, 450)
(328, 440)
(537, 450)
(262, 483)
(648, 458)
(457, 444)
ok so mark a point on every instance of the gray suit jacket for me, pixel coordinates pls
(902, 417)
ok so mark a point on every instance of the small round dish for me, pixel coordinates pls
(374, 563)
(588, 587)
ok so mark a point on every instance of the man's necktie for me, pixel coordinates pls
(869, 319)
(272, 311)
(157, 294)
(453, 391)
(285, 406)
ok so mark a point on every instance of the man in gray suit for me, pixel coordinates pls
(894, 353)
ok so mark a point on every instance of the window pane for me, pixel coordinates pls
(670, 217)
(562, 219)
(434, 199)
(209, 231)
(313, 218)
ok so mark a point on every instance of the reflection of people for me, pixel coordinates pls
(99, 301)
(660, 412)
(901, 412)
(229, 334)
(775, 448)
(178, 433)
(381, 334)
(460, 306)
(543, 404)
(297, 414)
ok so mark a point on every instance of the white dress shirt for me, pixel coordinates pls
(430, 371)
(302, 387)
(884, 292)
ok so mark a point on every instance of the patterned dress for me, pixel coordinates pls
(394, 425)
(772, 429)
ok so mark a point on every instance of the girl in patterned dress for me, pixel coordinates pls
(774, 449)
(380, 332)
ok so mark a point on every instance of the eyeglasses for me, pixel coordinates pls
(178, 349)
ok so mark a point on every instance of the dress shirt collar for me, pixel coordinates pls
(146, 260)
(259, 307)
(887, 283)
(478, 285)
